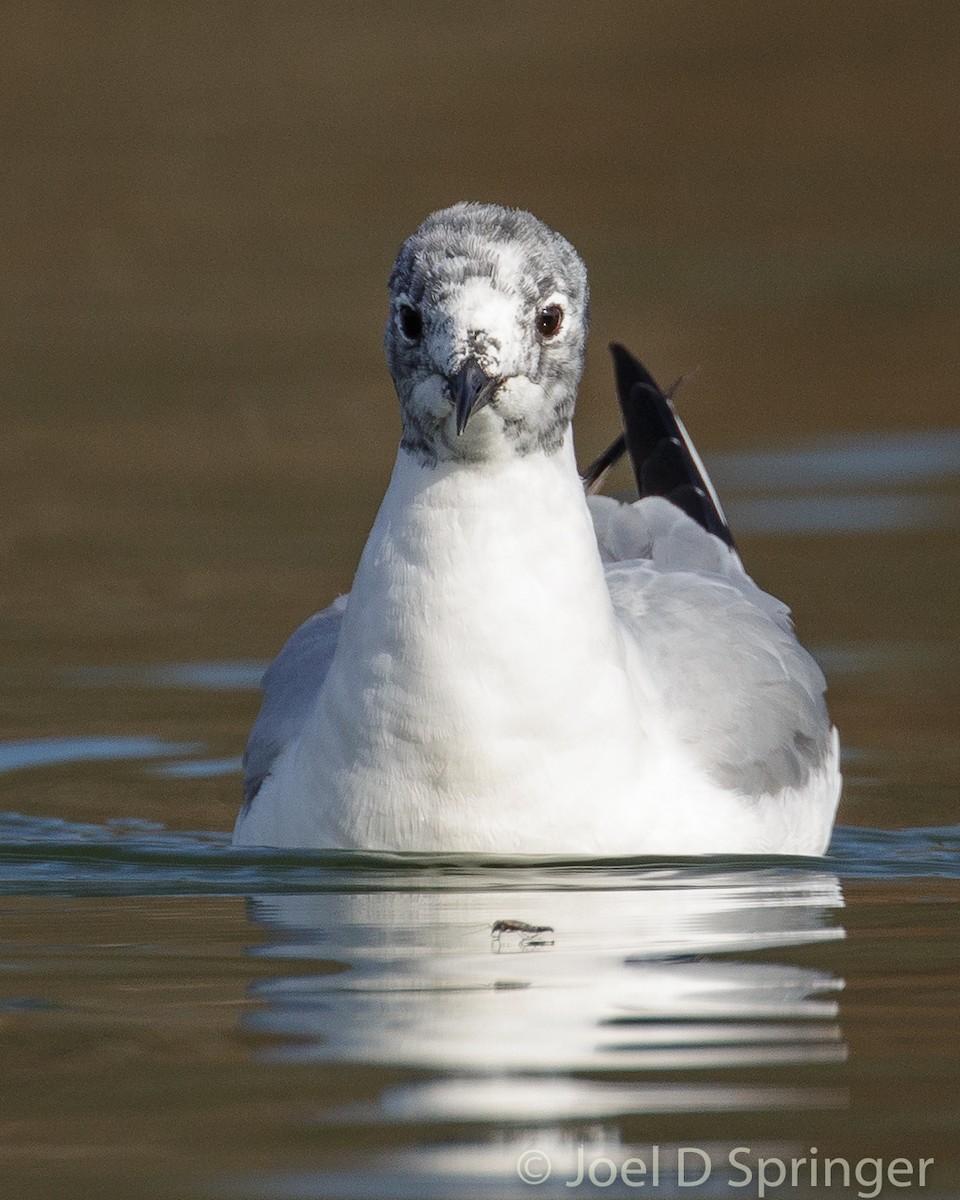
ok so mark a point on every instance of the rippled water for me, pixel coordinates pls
(179, 1017)
(317, 1024)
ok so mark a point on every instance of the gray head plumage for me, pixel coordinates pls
(488, 311)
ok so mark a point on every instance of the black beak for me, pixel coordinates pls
(471, 389)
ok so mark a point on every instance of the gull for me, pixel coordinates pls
(520, 668)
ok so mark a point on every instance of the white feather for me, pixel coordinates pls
(491, 690)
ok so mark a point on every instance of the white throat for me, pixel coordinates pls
(479, 600)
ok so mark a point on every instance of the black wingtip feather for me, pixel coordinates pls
(658, 449)
(593, 475)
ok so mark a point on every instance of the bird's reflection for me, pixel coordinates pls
(504, 988)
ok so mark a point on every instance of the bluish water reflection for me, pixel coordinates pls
(53, 751)
(863, 460)
(867, 483)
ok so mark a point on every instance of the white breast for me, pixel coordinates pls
(484, 697)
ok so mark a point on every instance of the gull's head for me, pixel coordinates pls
(486, 334)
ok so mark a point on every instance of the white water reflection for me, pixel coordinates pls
(663, 970)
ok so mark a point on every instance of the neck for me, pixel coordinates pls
(479, 600)
(471, 551)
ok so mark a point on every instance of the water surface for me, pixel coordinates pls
(182, 1018)
(199, 211)
(315, 1024)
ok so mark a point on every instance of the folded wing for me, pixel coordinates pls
(741, 693)
(290, 687)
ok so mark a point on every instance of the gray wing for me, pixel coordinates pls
(743, 695)
(290, 687)
(655, 530)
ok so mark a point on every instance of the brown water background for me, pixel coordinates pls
(198, 211)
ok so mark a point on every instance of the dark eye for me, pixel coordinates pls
(549, 320)
(411, 322)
